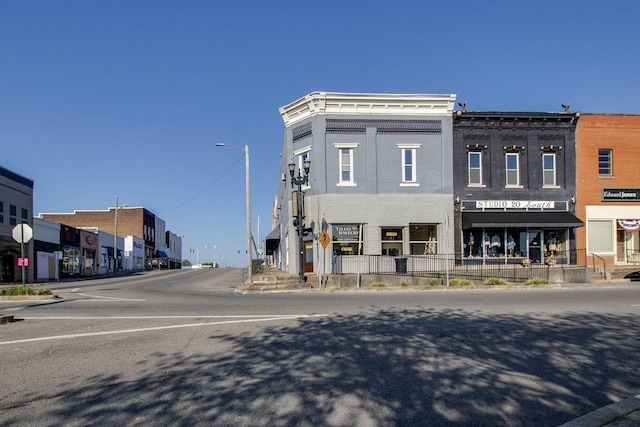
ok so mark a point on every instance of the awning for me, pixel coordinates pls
(160, 254)
(520, 219)
(272, 241)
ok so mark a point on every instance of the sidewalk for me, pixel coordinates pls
(625, 413)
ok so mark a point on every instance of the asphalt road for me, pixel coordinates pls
(179, 348)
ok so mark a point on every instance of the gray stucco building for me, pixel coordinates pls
(380, 181)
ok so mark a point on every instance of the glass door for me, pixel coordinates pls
(534, 238)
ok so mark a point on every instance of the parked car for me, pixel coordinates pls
(634, 277)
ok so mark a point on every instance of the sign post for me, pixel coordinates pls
(22, 233)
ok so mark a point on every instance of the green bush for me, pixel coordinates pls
(378, 285)
(23, 290)
(537, 281)
(434, 282)
(460, 282)
(495, 281)
(404, 284)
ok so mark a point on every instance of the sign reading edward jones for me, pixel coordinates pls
(618, 194)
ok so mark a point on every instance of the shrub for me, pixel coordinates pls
(537, 281)
(404, 284)
(23, 290)
(495, 281)
(378, 285)
(434, 282)
(460, 282)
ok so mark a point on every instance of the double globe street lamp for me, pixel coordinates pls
(297, 199)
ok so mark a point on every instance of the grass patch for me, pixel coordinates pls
(460, 282)
(378, 285)
(434, 282)
(404, 284)
(495, 281)
(537, 281)
(23, 290)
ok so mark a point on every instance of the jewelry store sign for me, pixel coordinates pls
(346, 232)
(621, 194)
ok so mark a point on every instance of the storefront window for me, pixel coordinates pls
(71, 261)
(391, 241)
(423, 239)
(346, 238)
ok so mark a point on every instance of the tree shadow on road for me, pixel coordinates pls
(382, 368)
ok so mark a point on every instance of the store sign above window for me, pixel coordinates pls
(629, 224)
(346, 232)
(621, 194)
(515, 204)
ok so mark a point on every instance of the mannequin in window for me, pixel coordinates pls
(495, 244)
(511, 245)
(472, 242)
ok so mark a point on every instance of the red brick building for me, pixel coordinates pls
(134, 221)
(608, 187)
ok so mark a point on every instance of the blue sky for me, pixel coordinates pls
(128, 98)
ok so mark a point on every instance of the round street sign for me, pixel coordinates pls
(22, 233)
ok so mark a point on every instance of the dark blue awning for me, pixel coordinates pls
(110, 251)
(160, 254)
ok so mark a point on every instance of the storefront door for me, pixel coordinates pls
(8, 268)
(535, 254)
(627, 249)
(308, 257)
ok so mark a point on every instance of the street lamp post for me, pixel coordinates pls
(245, 150)
(298, 219)
(115, 239)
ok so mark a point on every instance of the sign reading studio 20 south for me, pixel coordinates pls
(618, 194)
(514, 204)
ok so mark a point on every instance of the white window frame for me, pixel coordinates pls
(552, 172)
(479, 169)
(517, 170)
(350, 147)
(413, 148)
(300, 155)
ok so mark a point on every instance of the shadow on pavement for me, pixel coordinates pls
(383, 368)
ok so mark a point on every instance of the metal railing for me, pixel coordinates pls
(513, 269)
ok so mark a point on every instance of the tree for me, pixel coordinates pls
(186, 263)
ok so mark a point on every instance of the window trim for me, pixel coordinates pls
(299, 156)
(346, 146)
(554, 170)
(506, 182)
(469, 183)
(414, 169)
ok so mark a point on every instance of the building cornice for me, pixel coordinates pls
(317, 103)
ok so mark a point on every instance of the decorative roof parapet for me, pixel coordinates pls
(367, 104)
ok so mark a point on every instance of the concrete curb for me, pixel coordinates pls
(618, 413)
(27, 297)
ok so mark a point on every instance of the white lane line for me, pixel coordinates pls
(155, 328)
(111, 298)
(205, 316)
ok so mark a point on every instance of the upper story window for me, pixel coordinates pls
(1, 212)
(548, 170)
(409, 168)
(475, 168)
(605, 161)
(345, 163)
(513, 169)
(25, 214)
(301, 155)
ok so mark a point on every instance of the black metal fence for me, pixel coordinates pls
(513, 269)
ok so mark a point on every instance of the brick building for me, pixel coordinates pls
(608, 186)
(515, 186)
(132, 221)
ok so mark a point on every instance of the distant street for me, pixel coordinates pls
(179, 348)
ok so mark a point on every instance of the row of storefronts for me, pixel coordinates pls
(505, 187)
